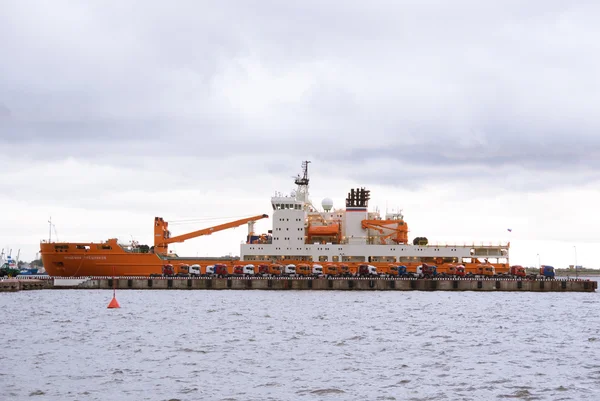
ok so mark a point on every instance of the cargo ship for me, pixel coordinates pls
(301, 234)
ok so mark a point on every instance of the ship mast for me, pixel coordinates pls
(302, 182)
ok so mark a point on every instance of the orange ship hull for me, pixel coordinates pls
(109, 258)
(85, 259)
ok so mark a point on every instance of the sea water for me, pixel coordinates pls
(299, 345)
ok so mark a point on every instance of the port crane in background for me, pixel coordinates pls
(162, 235)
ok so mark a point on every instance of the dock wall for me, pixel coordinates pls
(339, 284)
(12, 285)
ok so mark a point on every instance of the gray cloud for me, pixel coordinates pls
(438, 91)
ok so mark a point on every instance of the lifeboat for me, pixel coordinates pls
(324, 231)
(323, 234)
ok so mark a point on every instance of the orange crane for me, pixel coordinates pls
(367, 225)
(162, 236)
(399, 229)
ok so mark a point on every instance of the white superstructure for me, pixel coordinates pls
(353, 234)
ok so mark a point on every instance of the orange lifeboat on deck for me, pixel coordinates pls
(329, 233)
(324, 231)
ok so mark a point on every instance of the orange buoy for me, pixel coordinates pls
(113, 303)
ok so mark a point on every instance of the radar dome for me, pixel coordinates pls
(327, 204)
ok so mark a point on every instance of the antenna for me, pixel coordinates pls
(50, 228)
(304, 180)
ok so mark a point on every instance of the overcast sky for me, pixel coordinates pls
(472, 116)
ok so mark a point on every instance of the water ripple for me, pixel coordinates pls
(260, 345)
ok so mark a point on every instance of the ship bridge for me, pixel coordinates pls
(286, 202)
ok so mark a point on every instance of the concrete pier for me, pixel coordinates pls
(317, 284)
(12, 285)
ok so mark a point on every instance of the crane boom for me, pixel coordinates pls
(162, 236)
(398, 228)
